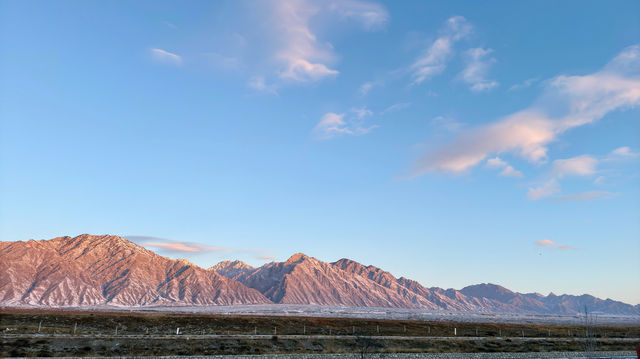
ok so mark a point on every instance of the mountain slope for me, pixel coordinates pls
(306, 280)
(94, 270)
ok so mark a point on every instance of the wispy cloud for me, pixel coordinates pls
(584, 165)
(258, 83)
(267, 258)
(372, 16)
(546, 243)
(525, 84)
(434, 59)
(364, 89)
(171, 247)
(336, 124)
(624, 152)
(395, 107)
(478, 62)
(566, 102)
(446, 123)
(507, 169)
(166, 57)
(302, 57)
(546, 189)
(588, 196)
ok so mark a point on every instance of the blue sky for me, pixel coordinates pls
(449, 142)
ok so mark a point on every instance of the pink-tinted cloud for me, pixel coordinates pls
(172, 247)
(566, 102)
(549, 244)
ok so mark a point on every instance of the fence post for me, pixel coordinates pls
(39, 326)
(455, 331)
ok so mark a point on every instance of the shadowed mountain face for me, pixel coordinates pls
(109, 270)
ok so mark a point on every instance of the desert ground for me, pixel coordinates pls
(33, 332)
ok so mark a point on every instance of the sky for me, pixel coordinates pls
(453, 143)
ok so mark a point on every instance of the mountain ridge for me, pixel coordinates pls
(89, 270)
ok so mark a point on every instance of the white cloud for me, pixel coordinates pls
(366, 87)
(624, 152)
(566, 102)
(434, 59)
(362, 112)
(544, 190)
(475, 73)
(166, 57)
(584, 165)
(258, 83)
(507, 170)
(496, 162)
(336, 124)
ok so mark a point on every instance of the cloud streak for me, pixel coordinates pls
(588, 196)
(548, 244)
(166, 57)
(171, 247)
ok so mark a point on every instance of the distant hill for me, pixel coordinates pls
(90, 270)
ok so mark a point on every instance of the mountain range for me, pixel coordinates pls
(90, 270)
